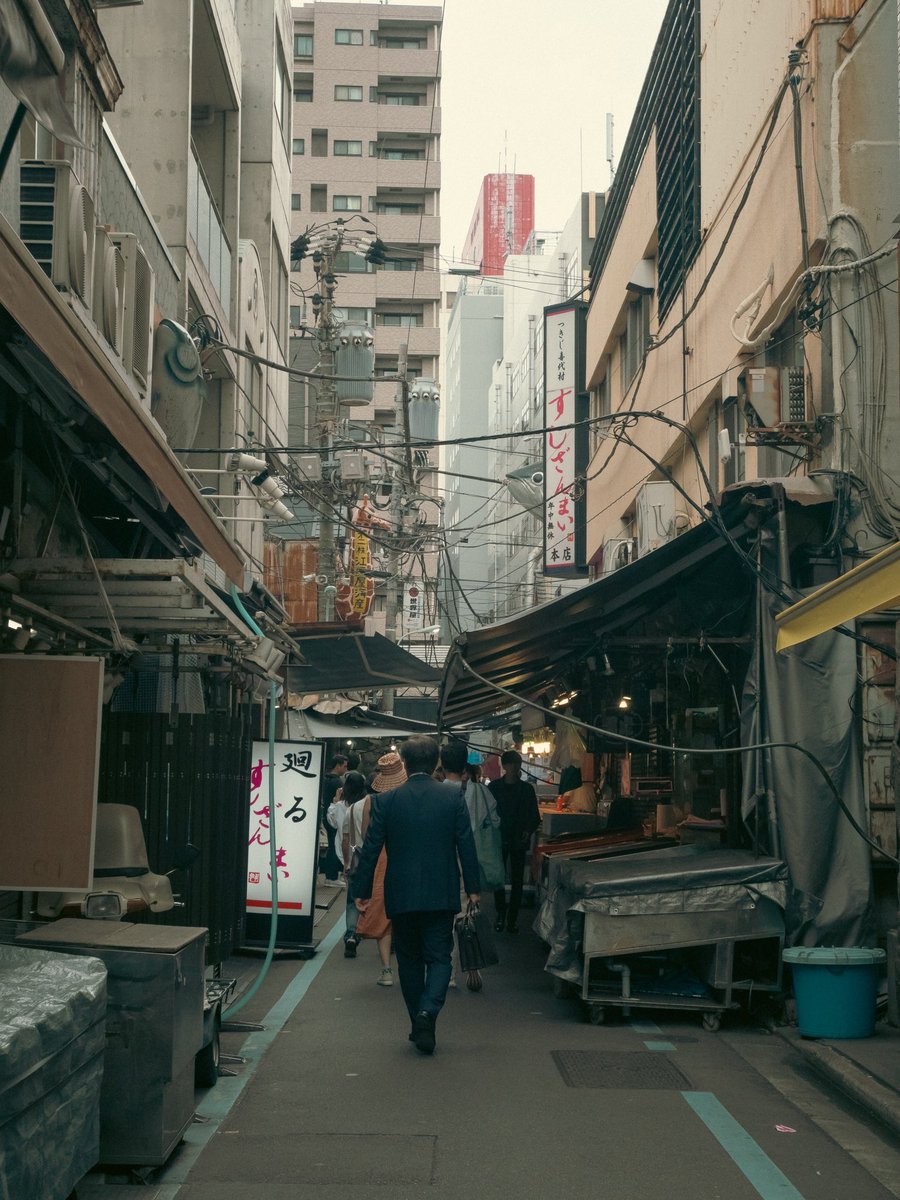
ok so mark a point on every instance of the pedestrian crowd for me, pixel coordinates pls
(418, 843)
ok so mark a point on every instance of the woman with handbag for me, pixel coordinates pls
(374, 923)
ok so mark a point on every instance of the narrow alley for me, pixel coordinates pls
(522, 1098)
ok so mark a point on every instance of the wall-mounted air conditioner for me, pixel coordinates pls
(617, 552)
(139, 297)
(777, 395)
(109, 290)
(654, 516)
(58, 224)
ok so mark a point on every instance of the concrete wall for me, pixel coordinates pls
(849, 111)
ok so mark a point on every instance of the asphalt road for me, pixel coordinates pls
(335, 1101)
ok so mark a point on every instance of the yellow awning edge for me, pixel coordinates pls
(868, 587)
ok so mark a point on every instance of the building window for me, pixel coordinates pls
(678, 152)
(295, 316)
(406, 320)
(601, 406)
(298, 146)
(348, 91)
(361, 316)
(348, 37)
(279, 305)
(347, 203)
(397, 43)
(345, 149)
(404, 155)
(408, 98)
(319, 143)
(346, 261)
(633, 342)
(402, 264)
(303, 45)
(295, 201)
(303, 95)
(318, 198)
(399, 210)
(282, 97)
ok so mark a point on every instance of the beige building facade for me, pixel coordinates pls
(698, 278)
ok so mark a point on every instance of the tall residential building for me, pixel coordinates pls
(366, 159)
(502, 222)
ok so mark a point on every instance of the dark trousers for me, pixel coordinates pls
(332, 862)
(423, 942)
(514, 860)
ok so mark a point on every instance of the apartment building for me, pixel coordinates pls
(213, 164)
(137, 260)
(366, 162)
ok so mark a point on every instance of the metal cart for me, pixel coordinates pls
(623, 927)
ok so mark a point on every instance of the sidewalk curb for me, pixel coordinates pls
(879, 1101)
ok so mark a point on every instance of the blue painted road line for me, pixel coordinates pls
(219, 1101)
(662, 1047)
(750, 1158)
(645, 1027)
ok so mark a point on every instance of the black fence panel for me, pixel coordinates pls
(189, 779)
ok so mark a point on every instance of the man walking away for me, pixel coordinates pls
(424, 826)
(519, 818)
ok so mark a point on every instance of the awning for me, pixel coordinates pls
(153, 597)
(43, 315)
(873, 585)
(307, 724)
(351, 661)
(528, 652)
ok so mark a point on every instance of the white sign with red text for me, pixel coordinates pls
(559, 441)
(297, 771)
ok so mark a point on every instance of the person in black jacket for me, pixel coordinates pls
(519, 818)
(424, 827)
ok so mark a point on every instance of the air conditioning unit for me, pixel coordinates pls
(617, 552)
(654, 516)
(139, 297)
(777, 395)
(58, 224)
(109, 290)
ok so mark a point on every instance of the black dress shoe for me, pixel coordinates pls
(423, 1032)
(512, 927)
(499, 925)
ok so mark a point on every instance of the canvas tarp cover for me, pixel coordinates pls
(658, 883)
(807, 695)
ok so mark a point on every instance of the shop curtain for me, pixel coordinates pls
(808, 695)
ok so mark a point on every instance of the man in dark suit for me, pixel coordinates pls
(425, 827)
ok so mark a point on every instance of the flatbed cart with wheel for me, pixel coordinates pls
(679, 929)
(206, 1060)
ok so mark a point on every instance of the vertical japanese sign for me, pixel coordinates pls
(565, 440)
(413, 606)
(297, 769)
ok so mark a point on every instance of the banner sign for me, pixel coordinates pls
(297, 768)
(565, 446)
(413, 606)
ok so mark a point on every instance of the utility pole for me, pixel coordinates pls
(326, 408)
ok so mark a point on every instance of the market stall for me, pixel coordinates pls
(676, 928)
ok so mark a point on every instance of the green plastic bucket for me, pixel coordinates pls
(835, 989)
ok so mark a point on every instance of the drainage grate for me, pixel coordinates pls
(593, 1069)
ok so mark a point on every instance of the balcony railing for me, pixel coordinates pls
(205, 227)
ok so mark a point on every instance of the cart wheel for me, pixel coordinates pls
(561, 988)
(712, 1021)
(596, 1014)
(206, 1063)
